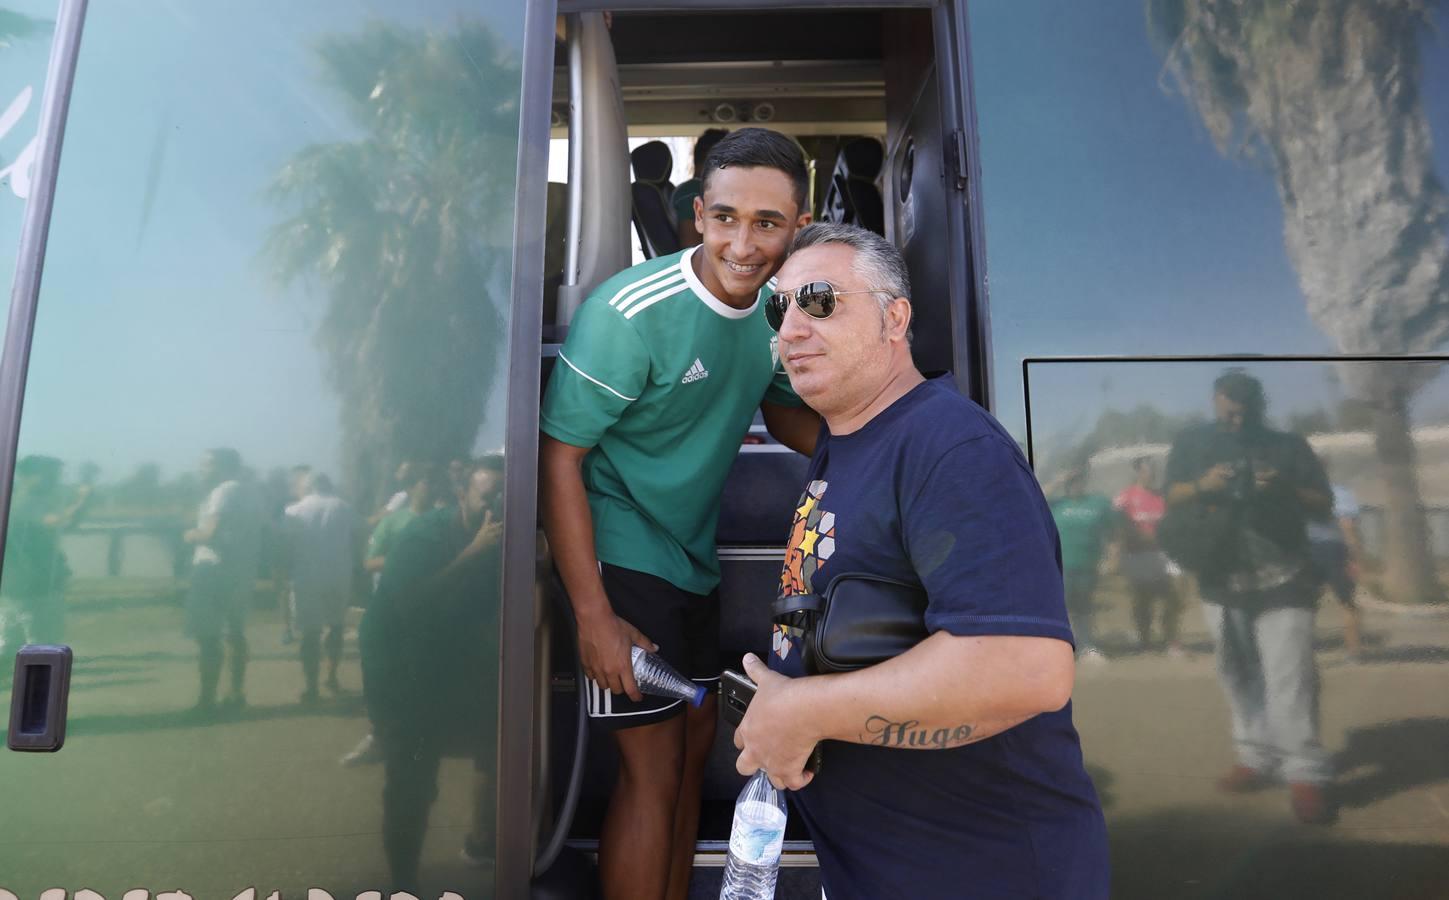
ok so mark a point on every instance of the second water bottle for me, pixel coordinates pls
(657, 677)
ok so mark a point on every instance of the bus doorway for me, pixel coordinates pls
(873, 97)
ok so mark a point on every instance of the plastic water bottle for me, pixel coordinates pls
(657, 677)
(756, 839)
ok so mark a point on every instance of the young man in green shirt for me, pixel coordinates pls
(653, 392)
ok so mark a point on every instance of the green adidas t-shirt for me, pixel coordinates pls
(661, 379)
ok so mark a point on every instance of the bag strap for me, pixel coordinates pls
(796, 603)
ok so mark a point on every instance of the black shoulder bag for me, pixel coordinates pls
(857, 621)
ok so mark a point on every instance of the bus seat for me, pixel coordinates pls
(653, 218)
(852, 197)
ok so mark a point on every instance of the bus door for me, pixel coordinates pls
(261, 486)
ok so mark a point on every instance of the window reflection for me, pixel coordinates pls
(430, 683)
(260, 497)
(1240, 510)
(1212, 178)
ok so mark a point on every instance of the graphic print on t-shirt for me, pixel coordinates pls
(812, 541)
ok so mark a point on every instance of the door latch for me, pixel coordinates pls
(39, 697)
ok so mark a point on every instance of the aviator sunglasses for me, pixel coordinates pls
(816, 299)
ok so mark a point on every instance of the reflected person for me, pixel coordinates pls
(429, 658)
(32, 590)
(1240, 495)
(296, 490)
(1087, 526)
(399, 496)
(1150, 575)
(227, 543)
(429, 488)
(1337, 549)
(322, 534)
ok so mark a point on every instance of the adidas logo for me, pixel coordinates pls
(697, 372)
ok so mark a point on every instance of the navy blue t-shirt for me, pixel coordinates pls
(933, 491)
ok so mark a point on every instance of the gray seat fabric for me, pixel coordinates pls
(652, 190)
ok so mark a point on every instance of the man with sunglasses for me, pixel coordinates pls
(655, 388)
(952, 770)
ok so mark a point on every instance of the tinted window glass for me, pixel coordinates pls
(258, 491)
(1210, 178)
(1331, 519)
(1216, 178)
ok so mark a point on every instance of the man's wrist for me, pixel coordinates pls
(819, 707)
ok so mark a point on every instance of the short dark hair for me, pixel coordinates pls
(1240, 387)
(759, 148)
(705, 143)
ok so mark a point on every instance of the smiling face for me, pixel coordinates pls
(838, 363)
(748, 216)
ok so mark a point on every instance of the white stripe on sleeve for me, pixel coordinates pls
(672, 270)
(651, 294)
(593, 379)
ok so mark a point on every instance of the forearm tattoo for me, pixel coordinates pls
(882, 732)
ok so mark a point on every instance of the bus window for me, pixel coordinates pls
(259, 482)
(1265, 193)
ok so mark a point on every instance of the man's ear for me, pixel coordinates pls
(699, 214)
(898, 318)
(805, 219)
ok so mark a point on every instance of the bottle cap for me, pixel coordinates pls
(699, 694)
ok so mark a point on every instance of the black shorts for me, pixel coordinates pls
(684, 625)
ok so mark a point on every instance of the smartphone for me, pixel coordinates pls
(736, 690)
(735, 693)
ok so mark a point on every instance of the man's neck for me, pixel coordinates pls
(706, 277)
(904, 376)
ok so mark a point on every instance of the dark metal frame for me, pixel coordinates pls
(516, 828)
(34, 235)
(968, 342)
(1030, 361)
(973, 342)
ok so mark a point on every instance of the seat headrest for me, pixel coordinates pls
(862, 158)
(652, 162)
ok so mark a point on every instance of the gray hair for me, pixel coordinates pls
(877, 262)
